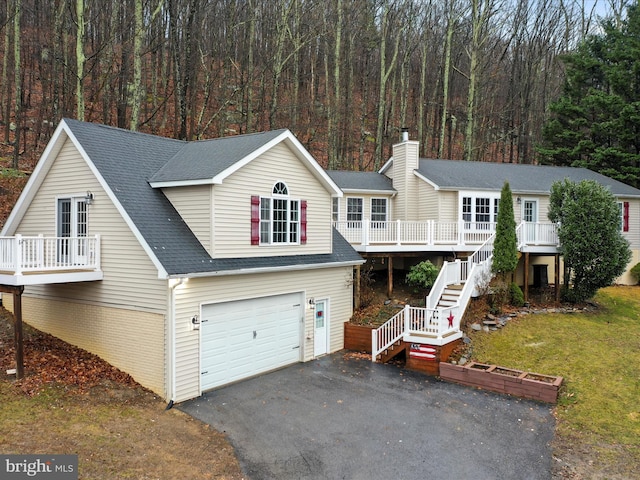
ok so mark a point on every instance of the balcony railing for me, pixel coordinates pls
(22, 254)
(431, 233)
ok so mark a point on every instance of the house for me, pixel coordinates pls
(188, 265)
(446, 211)
(416, 208)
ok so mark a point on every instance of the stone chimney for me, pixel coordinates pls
(405, 161)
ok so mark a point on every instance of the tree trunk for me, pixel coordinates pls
(80, 60)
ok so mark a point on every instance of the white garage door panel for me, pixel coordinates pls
(244, 338)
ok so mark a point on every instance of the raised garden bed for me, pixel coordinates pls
(522, 384)
(358, 337)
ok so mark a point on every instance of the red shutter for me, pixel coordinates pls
(303, 221)
(255, 220)
(625, 217)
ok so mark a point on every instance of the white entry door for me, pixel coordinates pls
(320, 328)
(530, 216)
(244, 338)
(72, 228)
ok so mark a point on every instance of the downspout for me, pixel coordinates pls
(172, 343)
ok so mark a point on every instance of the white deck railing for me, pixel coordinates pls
(537, 234)
(432, 233)
(22, 254)
(437, 325)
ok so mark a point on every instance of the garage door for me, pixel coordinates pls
(244, 338)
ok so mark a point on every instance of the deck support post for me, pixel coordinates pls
(389, 276)
(526, 276)
(556, 276)
(356, 292)
(17, 326)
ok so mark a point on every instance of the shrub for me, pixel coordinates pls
(635, 272)
(422, 275)
(517, 297)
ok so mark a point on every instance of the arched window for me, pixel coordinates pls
(280, 188)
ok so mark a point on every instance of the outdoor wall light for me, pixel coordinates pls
(312, 302)
(88, 198)
(519, 200)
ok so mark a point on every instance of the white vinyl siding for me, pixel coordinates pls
(331, 283)
(232, 214)
(130, 280)
(194, 204)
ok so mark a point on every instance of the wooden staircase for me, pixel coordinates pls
(392, 351)
(450, 296)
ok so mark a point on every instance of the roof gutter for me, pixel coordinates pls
(250, 271)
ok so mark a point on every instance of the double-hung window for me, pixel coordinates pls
(278, 219)
(378, 212)
(354, 212)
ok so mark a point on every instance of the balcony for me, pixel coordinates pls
(432, 236)
(36, 260)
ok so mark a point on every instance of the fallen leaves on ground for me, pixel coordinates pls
(50, 361)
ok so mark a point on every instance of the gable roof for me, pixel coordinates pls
(533, 179)
(124, 162)
(350, 181)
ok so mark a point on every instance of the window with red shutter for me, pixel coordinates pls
(278, 219)
(625, 217)
(255, 220)
(303, 221)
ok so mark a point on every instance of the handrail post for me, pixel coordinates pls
(398, 232)
(365, 231)
(96, 260)
(18, 259)
(406, 319)
(374, 344)
(460, 232)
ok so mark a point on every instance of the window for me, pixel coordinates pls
(278, 219)
(466, 209)
(483, 212)
(354, 211)
(378, 211)
(335, 209)
(479, 213)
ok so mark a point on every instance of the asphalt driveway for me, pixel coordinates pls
(337, 418)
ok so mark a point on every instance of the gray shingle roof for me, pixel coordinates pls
(461, 175)
(349, 180)
(205, 159)
(127, 160)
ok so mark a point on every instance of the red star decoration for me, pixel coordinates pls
(450, 318)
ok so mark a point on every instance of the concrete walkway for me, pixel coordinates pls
(337, 418)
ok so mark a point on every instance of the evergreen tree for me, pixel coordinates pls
(594, 249)
(596, 122)
(505, 245)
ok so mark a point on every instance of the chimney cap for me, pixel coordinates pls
(405, 134)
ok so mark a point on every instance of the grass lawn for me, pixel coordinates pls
(598, 354)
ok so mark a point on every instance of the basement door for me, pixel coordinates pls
(244, 338)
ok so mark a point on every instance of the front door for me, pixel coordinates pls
(72, 228)
(530, 216)
(320, 329)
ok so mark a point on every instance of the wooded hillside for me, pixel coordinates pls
(470, 78)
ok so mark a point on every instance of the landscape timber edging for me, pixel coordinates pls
(503, 380)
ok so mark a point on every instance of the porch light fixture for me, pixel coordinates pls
(88, 198)
(519, 200)
(312, 302)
